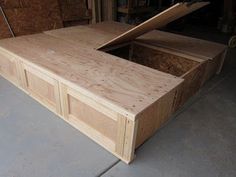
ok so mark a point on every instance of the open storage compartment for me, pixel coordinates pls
(187, 67)
(154, 58)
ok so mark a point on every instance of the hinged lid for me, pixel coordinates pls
(158, 21)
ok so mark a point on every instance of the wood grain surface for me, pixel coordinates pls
(121, 85)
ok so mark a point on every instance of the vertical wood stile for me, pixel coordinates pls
(130, 140)
(64, 100)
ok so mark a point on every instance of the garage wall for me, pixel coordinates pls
(74, 12)
(34, 16)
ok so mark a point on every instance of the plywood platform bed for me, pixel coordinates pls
(116, 83)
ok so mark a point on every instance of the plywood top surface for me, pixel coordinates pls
(183, 44)
(121, 85)
(91, 35)
(95, 35)
(160, 20)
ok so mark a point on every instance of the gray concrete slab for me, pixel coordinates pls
(200, 141)
(36, 143)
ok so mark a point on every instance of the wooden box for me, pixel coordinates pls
(116, 86)
(42, 87)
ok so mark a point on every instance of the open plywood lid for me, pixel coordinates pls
(177, 11)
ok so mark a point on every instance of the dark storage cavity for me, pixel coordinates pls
(155, 58)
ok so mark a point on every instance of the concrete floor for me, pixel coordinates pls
(199, 141)
(36, 143)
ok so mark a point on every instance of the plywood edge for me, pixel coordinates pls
(223, 57)
(155, 116)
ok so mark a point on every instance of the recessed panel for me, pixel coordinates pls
(8, 68)
(93, 118)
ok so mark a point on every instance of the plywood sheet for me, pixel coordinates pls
(91, 35)
(183, 44)
(100, 33)
(120, 85)
(160, 20)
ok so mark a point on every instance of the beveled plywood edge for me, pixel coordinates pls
(223, 56)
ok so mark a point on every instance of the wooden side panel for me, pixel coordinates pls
(113, 131)
(213, 67)
(89, 117)
(42, 88)
(155, 116)
(93, 118)
(8, 68)
(191, 69)
(163, 61)
(191, 85)
(130, 140)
